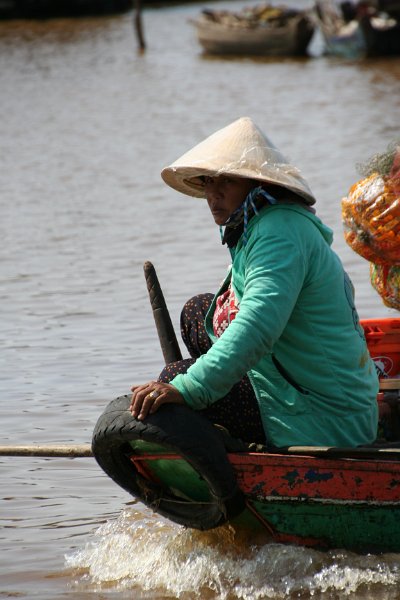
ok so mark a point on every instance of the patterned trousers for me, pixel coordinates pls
(237, 411)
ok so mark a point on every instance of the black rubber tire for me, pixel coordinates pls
(183, 431)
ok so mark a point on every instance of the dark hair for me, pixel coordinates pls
(282, 193)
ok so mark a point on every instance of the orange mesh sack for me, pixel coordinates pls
(371, 211)
(386, 281)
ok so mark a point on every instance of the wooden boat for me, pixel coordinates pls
(260, 31)
(195, 474)
(364, 35)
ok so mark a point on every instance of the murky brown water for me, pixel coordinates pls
(86, 126)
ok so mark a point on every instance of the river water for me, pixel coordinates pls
(86, 125)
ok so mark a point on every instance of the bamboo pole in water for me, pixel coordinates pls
(85, 451)
(138, 26)
(49, 450)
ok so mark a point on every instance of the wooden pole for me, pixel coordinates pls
(85, 451)
(165, 329)
(50, 451)
(138, 26)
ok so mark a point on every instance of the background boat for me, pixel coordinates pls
(260, 31)
(357, 33)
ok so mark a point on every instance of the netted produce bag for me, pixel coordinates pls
(371, 210)
(386, 281)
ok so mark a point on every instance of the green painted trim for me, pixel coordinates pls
(356, 527)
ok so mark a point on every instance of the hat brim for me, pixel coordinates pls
(189, 180)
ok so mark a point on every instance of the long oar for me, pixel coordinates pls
(171, 353)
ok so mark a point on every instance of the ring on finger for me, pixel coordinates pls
(154, 394)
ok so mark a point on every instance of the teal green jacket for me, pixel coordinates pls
(297, 335)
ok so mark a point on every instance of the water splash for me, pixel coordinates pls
(142, 552)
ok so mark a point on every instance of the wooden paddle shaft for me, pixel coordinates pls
(50, 451)
(165, 329)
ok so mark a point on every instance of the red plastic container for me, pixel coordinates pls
(383, 340)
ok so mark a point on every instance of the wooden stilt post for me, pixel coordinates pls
(138, 25)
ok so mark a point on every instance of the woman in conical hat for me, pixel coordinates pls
(278, 353)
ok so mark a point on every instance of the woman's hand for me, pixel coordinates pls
(147, 398)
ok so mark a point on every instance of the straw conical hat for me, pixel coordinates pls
(239, 149)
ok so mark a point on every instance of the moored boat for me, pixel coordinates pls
(194, 473)
(362, 35)
(260, 31)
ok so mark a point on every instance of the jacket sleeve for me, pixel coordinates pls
(274, 273)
